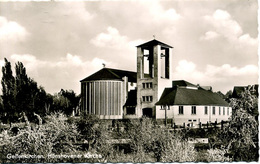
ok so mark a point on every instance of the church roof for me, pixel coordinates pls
(185, 96)
(153, 43)
(182, 83)
(111, 74)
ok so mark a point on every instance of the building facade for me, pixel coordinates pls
(104, 93)
(189, 104)
(119, 94)
(156, 57)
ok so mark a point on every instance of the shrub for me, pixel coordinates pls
(56, 136)
(148, 138)
(217, 155)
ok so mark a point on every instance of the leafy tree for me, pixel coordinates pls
(240, 137)
(29, 97)
(72, 100)
(94, 132)
(228, 96)
(21, 94)
(1, 108)
(66, 101)
(26, 90)
(42, 102)
(9, 112)
(246, 101)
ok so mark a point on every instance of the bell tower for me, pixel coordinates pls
(153, 75)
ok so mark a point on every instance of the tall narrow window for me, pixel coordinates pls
(165, 63)
(206, 110)
(147, 85)
(146, 61)
(143, 98)
(214, 110)
(180, 109)
(151, 98)
(223, 110)
(147, 98)
(227, 111)
(219, 111)
(193, 110)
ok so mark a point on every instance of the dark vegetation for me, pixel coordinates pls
(34, 122)
(21, 93)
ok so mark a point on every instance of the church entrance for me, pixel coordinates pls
(148, 112)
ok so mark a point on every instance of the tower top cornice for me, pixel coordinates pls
(154, 42)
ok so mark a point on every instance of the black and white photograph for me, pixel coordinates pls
(129, 81)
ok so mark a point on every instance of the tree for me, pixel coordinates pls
(66, 101)
(88, 126)
(94, 132)
(42, 101)
(21, 94)
(240, 137)
(1, 107)
(246, 101)
(8, 97)
(29, 97)
(72, 100)
(228, 96)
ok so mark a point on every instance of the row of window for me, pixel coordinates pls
(147, 85)
(193, 110)
(219, 111)
(147, 98)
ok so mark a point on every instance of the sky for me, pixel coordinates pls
(60, 42)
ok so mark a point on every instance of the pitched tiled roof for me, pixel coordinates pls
(237, 91)
(153, 43)
(184, 96)
(182, 83)
(111, 74)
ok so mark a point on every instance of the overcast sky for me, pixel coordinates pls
(60, 43)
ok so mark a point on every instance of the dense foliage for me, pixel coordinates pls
(60, 135)
(56, 136)
(240, 137)
(162, 145)
(66, 101)
(22, 94)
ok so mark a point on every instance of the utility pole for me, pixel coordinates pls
(165, 115)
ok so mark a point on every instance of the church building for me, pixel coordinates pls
(121, 94)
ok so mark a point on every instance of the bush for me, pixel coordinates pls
(56, 136)
(148, 138)
(217, 155)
